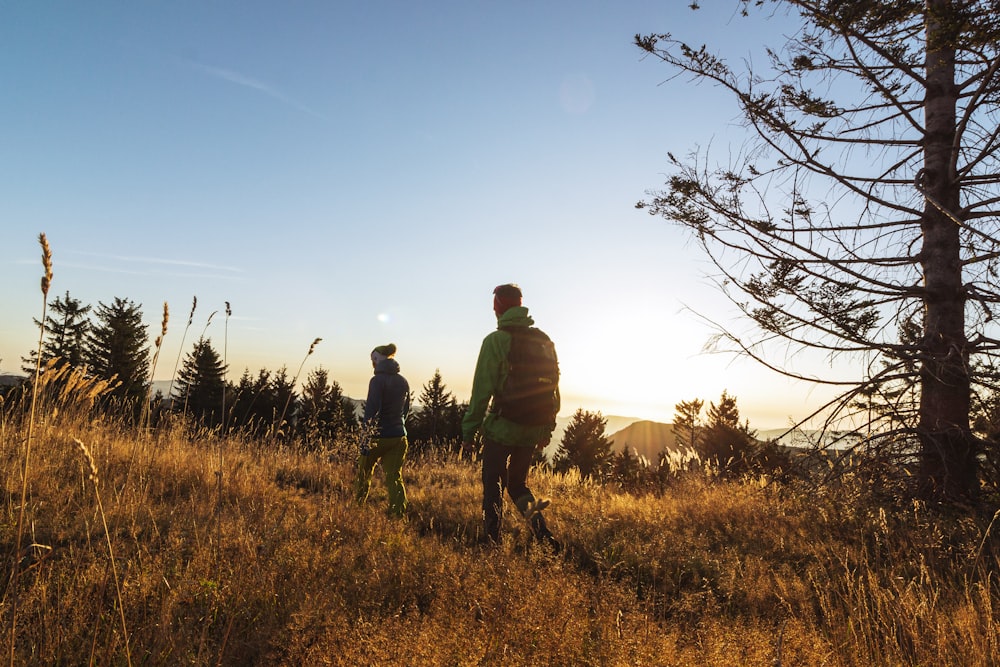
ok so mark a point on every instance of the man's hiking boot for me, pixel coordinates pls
(550, 543)
(540, 530)
(534, 508)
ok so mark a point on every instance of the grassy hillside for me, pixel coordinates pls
(195, 550)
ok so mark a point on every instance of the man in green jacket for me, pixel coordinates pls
(508, 447)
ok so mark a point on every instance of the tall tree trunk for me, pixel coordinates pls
(948, 466)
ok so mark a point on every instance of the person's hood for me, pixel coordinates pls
(389, 366)
(515, 316)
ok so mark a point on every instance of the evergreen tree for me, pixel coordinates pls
(348, 414)
(627, 469)
(282, 393)
(320, 411)
(438, 419)
(252, 406)
(724, 440)
(340, 420)
(838, 254)
(66, 328)
(687, 419)
(200, 384)
(117, 346)
(584, 445)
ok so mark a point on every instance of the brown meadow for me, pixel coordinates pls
(265, 559)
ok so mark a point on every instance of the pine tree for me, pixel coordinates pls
(340, 421)
(687, 420)
(724, 440)
(66, 328)
(627, 469)
(584, 445)
(282, 393)
(200, 384)
(349, 414)
(320, 410)
(438, 419)
(864, 201)
(117, 346)
(252, 405)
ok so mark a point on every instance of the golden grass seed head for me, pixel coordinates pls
(313, 346)
(46, 263)
(163, 325)
(89, 460)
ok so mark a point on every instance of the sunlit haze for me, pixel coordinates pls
(366, 173)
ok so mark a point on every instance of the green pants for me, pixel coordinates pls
(391, 452)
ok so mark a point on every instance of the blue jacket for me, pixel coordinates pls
(388, 400)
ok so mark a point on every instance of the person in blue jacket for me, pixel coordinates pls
(386, 408)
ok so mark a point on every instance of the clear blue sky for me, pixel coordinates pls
(367, 172)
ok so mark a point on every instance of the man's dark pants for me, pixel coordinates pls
(506, 466)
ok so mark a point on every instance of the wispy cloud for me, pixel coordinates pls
(158, 260)
(153, 266)
(253, 84)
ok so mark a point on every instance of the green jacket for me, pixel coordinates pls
(491, 372)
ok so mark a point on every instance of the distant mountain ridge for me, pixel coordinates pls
(649, 438)
(645, 438)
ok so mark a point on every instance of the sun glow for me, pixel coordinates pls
(642, 364)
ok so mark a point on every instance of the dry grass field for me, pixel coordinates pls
(173, 546)
(177, 548)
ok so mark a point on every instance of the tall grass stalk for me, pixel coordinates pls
(225, 363)
(187, 389)
(180, 350)
(295, 380)
(219, 444)
(144, 415)
(208, 323)
(158, 345)
(986, 535)
(25, 466)
(95, 479)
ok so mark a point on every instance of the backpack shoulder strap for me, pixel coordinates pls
(533, 331)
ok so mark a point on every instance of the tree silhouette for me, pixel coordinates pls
(724, 440)
(584, 445)
(687, 419)
(348, 414)
(282, 393)
(868, 204)
(200, 384)
(253, 406)
(628, 469)
(320, 414)
(118, 346)
(66, 327)
(438, 420)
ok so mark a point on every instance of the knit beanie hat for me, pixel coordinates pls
(383, 352)
(505, 297)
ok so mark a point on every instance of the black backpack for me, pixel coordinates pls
(528, 396)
